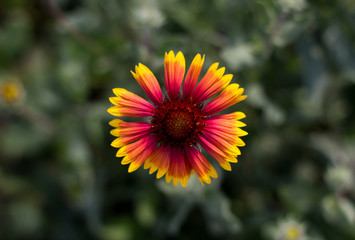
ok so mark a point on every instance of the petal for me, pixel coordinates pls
(174, 73)
(231, 137)
(148, 82)
(224, 141)
(229, 116)
(226, 130)
(241, 133)
(222, 134)
(230, 96)
(202, 167)
(212, 83)
(128, 132)
(226, 123)
(129, 104)
(179, 169)
(158, 160)
(192, 76)
(137, 152)
(218, 154)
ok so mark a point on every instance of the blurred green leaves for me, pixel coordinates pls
(59, 177)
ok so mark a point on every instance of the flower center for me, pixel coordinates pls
(178, 123)
(10, 92)
(292, 233)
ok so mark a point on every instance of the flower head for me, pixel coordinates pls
(340, 177)
(147, 15)
(11, 92)
(288, 229)
(292, 5)
(179, 122)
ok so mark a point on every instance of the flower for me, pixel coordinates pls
(147, 14)
(11, 92)
(179, 123)
(292, 5)
(288, 229)
(340, 178)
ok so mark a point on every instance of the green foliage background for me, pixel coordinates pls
(59, 177)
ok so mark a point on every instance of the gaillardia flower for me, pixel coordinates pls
(180, 122)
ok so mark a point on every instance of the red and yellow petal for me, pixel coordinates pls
(158, 161)
(221, 137)
(128, 104)
(127, 132)
(179, 167)
(228, 123)
(137, 152)
(169, 161)
(231, 95)
(149, 83)
(230, 116)
(192, 76)
(223, 141)
(227, 126)
(174, 73)
(202, 167)
(212, 83)
(222, 158)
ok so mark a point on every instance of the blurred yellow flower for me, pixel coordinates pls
(11, 91)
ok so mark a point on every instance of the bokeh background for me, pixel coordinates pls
(60, 59)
